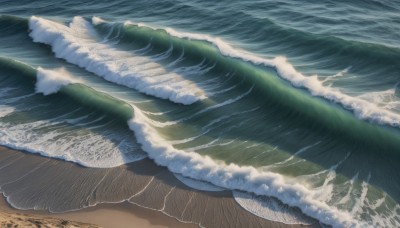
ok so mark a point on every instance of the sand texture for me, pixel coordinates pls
(24, 220)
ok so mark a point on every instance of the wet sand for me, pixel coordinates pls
(110, 197)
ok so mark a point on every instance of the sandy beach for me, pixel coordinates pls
(74, 193)
(104, 215)
(24, 220)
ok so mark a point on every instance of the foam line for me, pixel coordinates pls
(250, 179)
(271, 209)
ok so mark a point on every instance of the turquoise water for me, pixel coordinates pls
(297, 101)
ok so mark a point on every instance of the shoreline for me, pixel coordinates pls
(107, 215)
(145, 195)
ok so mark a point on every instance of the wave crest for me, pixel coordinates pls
(362, 109)
(80, 45)
(50, 81)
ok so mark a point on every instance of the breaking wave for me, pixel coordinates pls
(79, 44)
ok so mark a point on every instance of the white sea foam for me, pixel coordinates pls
(192, 165)
(271, 209)
(79, 44)
(265, 207)
(203, 168)
(361, 108)
(50, 81)
(6, 110)
(250, 179)
(385, 99)
(84, 147)
(80, 146)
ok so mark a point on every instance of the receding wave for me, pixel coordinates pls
(199, 185)
(233, 176)
(72, 143)
(271, 209)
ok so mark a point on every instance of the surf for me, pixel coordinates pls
(83, 133)
(80, 45)
(199, 167)
(362, 109)
(258, 81)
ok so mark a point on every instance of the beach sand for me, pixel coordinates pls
(121, 215)
(23, 220)
(110, 197)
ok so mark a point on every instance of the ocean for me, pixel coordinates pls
(291, 106)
